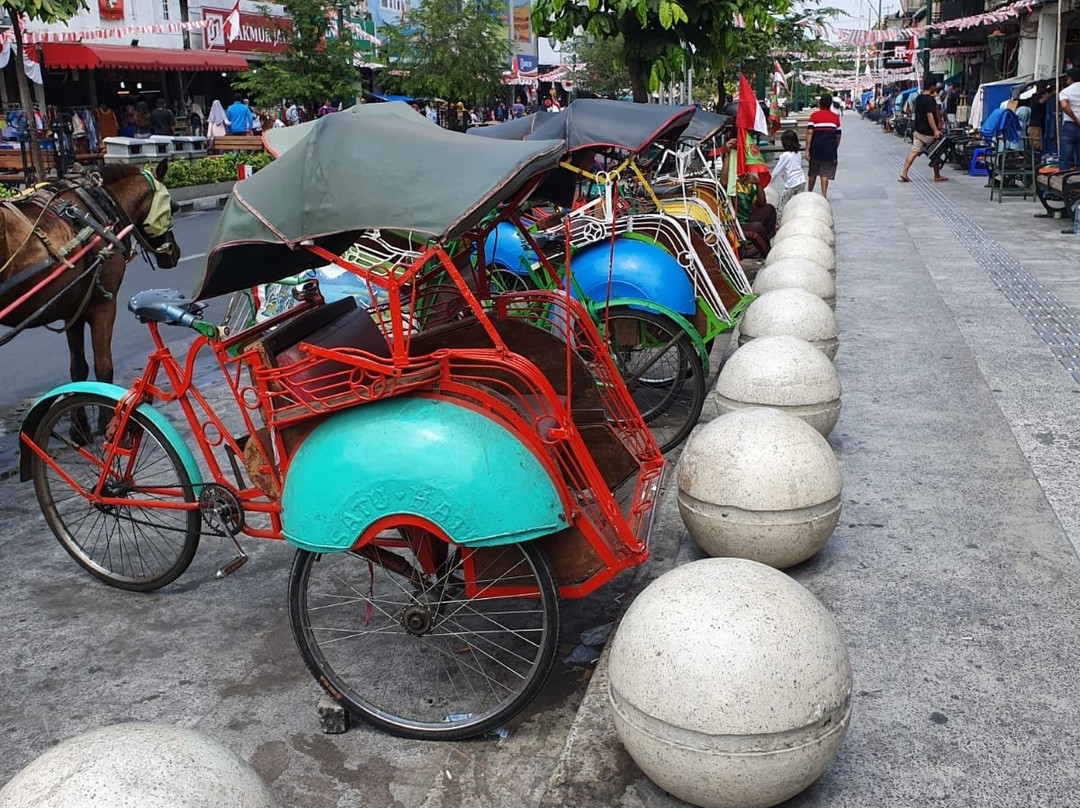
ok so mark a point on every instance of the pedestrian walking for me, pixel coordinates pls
(292, 114)
(788, 171)
(239, 114)
(195, 120)
(822, 142)
(1069, 136)
(217, 123)
(926, 129)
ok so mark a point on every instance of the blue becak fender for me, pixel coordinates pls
(504, 248)
(639, 270)
(460, 470)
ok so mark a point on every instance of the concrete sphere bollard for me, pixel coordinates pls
(785, 373)
(805, 247)
(792, 313)
(730, 684)
(143, 765)
(820, 214)
(808, 201)
(759, 484)
(797, 273)
(805, 226)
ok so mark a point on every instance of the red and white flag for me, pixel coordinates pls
(778, 74)
(750, 115)
(231, 28)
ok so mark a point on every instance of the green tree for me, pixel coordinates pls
(47, 11)
(446, 49)
(314, 67)
(660, 37)
(600, 68)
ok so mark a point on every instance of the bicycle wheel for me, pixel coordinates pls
(447, 649)
(137, 547)
(661, 370)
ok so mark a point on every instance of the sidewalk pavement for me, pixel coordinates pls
(952, 574)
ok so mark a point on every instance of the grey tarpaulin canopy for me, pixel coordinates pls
(279, 141)
(515, 129)
(705, 125)
(596, 123)
(353, 172)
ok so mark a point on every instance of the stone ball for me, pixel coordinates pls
(137, 766)
(820, 214)
(805, 247)
(793, 313)
(730, 684)
(808, 200)
(805, 226)
(797, 273)
(785, 373)
(761, 484)
(772, 196)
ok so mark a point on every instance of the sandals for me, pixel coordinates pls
(904, 179)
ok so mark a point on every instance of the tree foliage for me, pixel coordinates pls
(313, 68)
(447, 50)
(660, 37)
(47, 11)
(602, 69)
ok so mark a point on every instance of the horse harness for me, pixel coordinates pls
(95, 215)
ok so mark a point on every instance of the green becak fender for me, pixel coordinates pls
(468, 475)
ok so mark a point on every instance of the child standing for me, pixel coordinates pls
(788, 169)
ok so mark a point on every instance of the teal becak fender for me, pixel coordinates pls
(113, 393)
(463, 472)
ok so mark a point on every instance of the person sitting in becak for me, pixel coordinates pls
(756, 216)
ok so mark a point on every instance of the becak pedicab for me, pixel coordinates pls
(447, 467)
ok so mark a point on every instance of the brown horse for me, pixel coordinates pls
(37, 233)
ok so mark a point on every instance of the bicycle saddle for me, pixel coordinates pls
(164, 306)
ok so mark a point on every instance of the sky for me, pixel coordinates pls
(859, 12)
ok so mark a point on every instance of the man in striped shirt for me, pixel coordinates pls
(822, 139)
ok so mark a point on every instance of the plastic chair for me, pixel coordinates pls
(978, 163)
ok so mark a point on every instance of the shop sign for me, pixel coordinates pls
(111, 9)
(259, 33)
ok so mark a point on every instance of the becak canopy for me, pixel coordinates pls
(705, 125)
(593, 123)
(279, 141)
(371, 169)
(514, 129)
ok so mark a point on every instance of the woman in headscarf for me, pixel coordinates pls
(217, 123)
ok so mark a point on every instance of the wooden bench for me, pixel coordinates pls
(1058, 192)
(238, 143)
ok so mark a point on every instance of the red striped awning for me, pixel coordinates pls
(126, 57)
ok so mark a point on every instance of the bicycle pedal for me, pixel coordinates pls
(232, 566)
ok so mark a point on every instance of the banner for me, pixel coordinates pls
(123, 32)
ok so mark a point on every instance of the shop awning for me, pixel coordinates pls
(120, 57)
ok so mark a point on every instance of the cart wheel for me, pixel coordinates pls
(503, 280)
(426, 639)
(661, 369)
(141, 547)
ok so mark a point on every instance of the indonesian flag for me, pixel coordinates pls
(750, 118)
(231, 29)
(778, 74)
(750, 115)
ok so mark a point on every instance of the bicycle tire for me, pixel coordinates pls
(670, 410)
(404, 660)
(130, 558)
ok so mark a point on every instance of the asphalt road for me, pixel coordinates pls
(37, 360)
